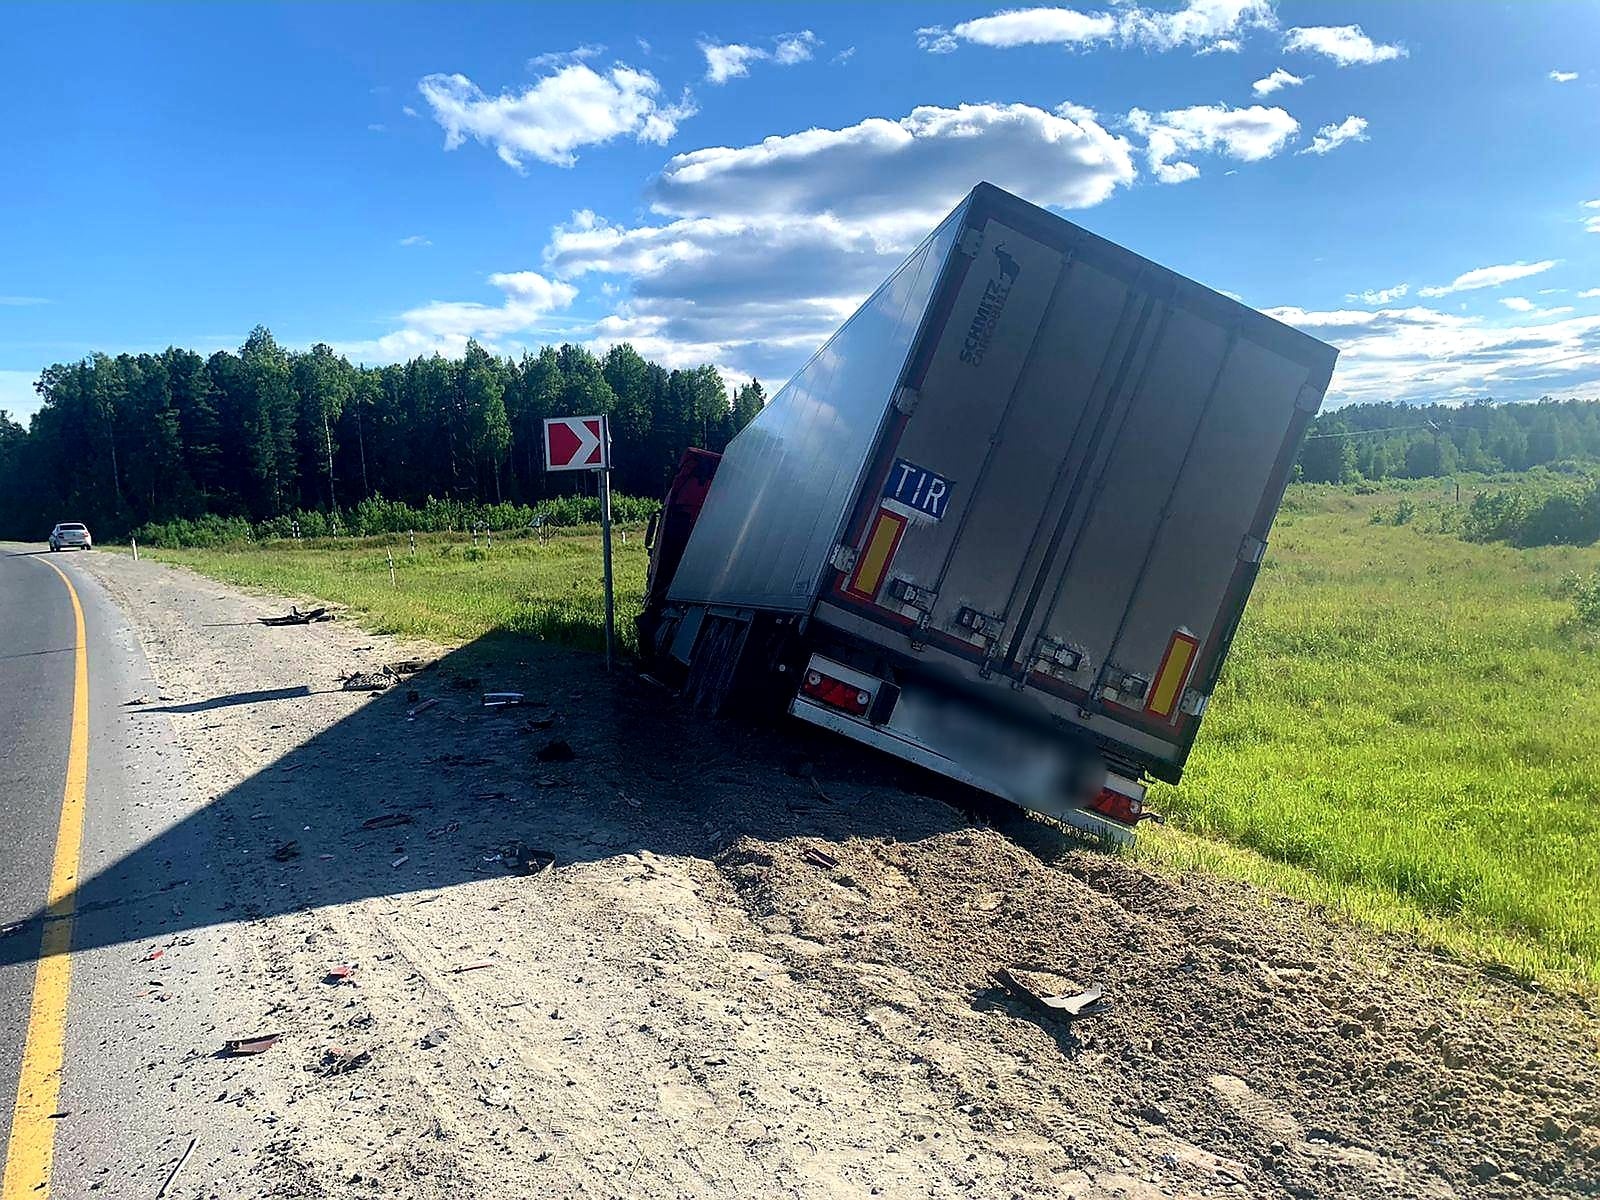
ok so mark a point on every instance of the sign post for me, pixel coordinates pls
(584, 444)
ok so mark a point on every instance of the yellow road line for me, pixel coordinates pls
(31, 1150)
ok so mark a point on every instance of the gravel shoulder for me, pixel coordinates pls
(762, 963)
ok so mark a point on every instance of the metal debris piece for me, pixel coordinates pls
(409, 666)
(387, 821)
(401, 861)
(295, 617)
(476, 966)
(259, 1044)
(367, 681)
(434, 1037)
(153, 955)
(527, 859)
(502, 699)
(1090, 1002)
(339, 973)
(336, 1060)
(819, 858)
(166, 1184)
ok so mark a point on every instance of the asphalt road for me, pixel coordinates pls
(125, 1019)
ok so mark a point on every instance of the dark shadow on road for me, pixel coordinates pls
(256, 697)
(462, 783)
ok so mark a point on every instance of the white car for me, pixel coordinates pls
(69, 533)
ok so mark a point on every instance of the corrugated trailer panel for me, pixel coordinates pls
(787, 482)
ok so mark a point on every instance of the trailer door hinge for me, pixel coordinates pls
(1055, 657)
(1252, 549)
(1309, 400)
(842, 558)
(905, 400)
(1194, 702)
(971, 242)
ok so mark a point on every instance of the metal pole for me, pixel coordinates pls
(605, 535)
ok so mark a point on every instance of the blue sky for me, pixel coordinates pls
(722, 183)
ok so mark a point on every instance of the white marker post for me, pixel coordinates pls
(584, 444)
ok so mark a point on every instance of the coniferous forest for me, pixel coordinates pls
(136, 438)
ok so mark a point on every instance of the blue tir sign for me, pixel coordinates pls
(917, 489)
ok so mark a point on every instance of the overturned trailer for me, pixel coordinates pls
(1004, 523)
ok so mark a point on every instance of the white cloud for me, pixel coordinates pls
(844, 55)
(409, 111)
(1380, 295)
(1347, 45)
(415, 239)
(811, 240)
(1207, 25)
(1589, 294)
(1420, 354)
(794, 47)
(1278, 79)
(563, 58)
(376, 127)
(1221, 46)
(22, 301)
(732, 60)
(1487, 277)
(1563, 76)
(444, 326)
(1332, 136)
(576, 106)
(1243, 134)
(1519, 304)
(729, 60)
(918, 165)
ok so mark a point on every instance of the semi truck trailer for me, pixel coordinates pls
(1003, 524)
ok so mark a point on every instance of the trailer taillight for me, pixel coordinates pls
(836, 693)
(1113, 804)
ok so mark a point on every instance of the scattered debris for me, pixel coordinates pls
(295, 617)
(409, 666)
(259, 1044)
(166, 1184)
(287, 851)
(434, 1037)
(336, 1060)
(556, 751)
(136, 700)
(502, 699)
(339, 973)
(476, 966)
(367, 681)
(387, 821)
(153, 955)
(819, 858)
(527, 859)
(1090, 1002)
(401, 861)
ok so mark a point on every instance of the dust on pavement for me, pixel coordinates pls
(762, 964)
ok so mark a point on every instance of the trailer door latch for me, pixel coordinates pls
(1055, 657)
(979, 624)
(905, 400)
(971, 242)
(1252, 549)
(842, 557)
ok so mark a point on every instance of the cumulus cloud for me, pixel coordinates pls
(1589, 294)
(819, 219)
(1332, 136)
(1380, 295)
(1563, 76)
(1420, 354)
(1347, 45)
(1592, 224)
(1242, 134)
(1488, 277)
(1518, 303)
(1272, 83)
(732, 60)
(444, 326)
(573, 107)
(1207, 25)
(416, 239)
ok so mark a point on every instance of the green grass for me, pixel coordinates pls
(1405, 731)
(450, 590)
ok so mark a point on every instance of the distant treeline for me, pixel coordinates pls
(1402, 441)
(265, 433)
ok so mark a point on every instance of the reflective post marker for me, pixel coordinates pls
(584, 444)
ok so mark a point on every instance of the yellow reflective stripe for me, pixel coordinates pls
(1174, 670)
(873, 564)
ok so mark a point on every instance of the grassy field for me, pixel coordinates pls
(1405, 731)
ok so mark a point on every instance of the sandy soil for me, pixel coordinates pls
(763, 964)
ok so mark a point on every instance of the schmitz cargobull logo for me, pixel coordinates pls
(993, 303)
